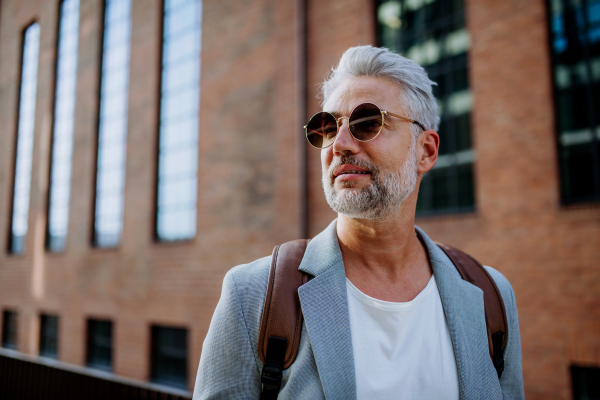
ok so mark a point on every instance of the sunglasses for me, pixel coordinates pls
(365, 123)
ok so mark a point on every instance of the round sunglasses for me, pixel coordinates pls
(365, 123)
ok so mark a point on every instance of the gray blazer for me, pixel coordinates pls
(230, 367)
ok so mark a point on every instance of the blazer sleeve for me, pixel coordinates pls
(511, 380)
(228, 368)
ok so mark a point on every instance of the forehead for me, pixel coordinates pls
(354, 91)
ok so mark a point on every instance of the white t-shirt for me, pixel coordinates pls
(402, 350)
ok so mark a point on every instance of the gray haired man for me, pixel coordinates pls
(386, 314)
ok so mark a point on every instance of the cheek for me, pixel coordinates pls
(326, 158)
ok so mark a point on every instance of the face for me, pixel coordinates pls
(369, 180)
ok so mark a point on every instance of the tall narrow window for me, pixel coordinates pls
(112, 129)
(22, 185)
(169, 356)
(575, 26)
(49, 336)
(178, 144)
(64, 114)
(9, 329)
(99, 344)
(433, 33)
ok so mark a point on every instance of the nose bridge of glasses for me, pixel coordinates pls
(340, 122)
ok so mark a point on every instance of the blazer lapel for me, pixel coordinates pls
(324, 304)
(465, 316)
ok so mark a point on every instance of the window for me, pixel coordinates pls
(9, 329)
(99, 344)
(169, 356)
(48, 335)
(22, 183)
(575, 26)
(62, 136)
(586, 383)
(178, 143)
(112, 128)
(433, 33)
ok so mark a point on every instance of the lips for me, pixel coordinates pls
(346, 169)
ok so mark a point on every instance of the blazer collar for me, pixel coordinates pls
(324, 304)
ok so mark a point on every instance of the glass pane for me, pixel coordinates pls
(64, 115)
(48, 336)
(112, 129)
(433, 33)
(575, 31)
(169, 356)
(26, 123)
(9, 329)
(180, 96)
(99, 344)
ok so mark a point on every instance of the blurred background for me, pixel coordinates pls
(148, 146)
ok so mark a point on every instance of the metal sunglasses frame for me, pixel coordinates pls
(337, 121)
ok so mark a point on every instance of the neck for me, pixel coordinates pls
(384, 255)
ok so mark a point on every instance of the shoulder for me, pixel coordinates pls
(244, 287)
(245, 277)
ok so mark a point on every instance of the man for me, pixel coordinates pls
(386, 313)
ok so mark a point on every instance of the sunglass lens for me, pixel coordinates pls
(365, 121)
(321, 130)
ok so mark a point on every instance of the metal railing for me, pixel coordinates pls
(24, 377)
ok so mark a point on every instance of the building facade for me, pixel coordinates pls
(149, 146)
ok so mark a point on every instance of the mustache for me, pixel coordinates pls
(353, 160)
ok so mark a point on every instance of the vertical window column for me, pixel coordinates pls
(178, 143)
(112, 128)
(9, 329)
(99, 344)
(169, 356)
(433, 33)
(25, 129)
(575, 30)
(62, 136)
(49, 336)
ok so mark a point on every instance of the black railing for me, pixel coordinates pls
(23, 378)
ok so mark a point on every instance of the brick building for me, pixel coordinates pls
(133, 176)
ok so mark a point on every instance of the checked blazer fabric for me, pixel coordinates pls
(324, 368)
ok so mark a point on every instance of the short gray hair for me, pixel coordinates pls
(416, 92)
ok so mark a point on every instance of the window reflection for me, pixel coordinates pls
(576, 61)
(64, 114)
(112, 129)
(433, 33)
(22, 186)
(178, 144)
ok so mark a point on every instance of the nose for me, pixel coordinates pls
(344, 141)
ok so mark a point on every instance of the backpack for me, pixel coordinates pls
(281, 321)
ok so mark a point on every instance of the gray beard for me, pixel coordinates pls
(377, 200)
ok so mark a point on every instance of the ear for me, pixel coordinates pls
(428, 145)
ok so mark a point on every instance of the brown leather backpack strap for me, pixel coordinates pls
(282, 315)
(495, 313)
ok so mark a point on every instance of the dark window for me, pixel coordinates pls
(179, 107)
(433, 34)
(9, 329)
(62, 135)
(169, 356)
(575, 44)
(586, 383)
(99, 344)
(22, 183)
(49, 336)
(112, 127)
